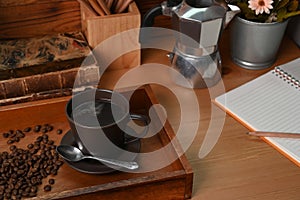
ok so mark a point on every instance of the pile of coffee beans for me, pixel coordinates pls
(22, 170)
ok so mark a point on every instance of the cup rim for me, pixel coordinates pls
(108, 100)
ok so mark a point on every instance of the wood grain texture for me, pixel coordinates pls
(96, 7)
(97, 29)
(114, 24)
(9, 3)
(29, 18)
(104, 7)
(37, 19)
(238, 167)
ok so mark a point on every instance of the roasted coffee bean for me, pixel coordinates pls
(33, 189)
(45, 137)
(27, 189)
(34, 181)
(12, 147)
(27, 129)
(12, 134)
(47, 188)
(25, 194)
(32, 151)
(39, 139)
(37, 143)
(30, 146)
(37, 128)
(10, 141)
(46, 149)
(51, 181)
(59, 131)
(20, 135)
(7, 195)
(53, 172)
(14, 192)
(59, 163)
(48, 171)
(18, 184)
(44, 130)
(49, 128)
(36, 147)
(50, 142)
(5, 135)
(35, 158)
(32, 194)
(15, 197)
(22, 170)
(43, 146)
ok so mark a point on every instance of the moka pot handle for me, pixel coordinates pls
(165, 8)
(150, 15)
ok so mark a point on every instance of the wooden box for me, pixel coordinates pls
(99, 29)
(170, 182)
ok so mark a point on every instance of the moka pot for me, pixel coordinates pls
(200, 23)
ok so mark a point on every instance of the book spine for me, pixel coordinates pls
(48, 85)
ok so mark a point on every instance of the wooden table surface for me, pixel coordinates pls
(238, 167)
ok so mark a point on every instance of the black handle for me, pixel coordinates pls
(133, 136)
(172, 3)
(150, 15)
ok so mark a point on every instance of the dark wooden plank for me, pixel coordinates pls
(8, 3)
(39, 19)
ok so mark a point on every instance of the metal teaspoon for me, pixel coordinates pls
(74, 154)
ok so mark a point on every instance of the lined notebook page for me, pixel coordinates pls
(292, 68)
(268, 103)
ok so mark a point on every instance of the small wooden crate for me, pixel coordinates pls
(97, 29)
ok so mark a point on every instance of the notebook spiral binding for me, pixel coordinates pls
(286, 77)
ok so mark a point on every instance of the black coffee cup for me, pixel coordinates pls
(98, 119)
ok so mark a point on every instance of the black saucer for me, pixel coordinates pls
(94, 167)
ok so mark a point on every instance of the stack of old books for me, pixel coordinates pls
(45, 67)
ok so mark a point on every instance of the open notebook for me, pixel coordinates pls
(270, 102)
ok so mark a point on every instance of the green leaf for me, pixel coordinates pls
(282, 4)
(291, 14)
(244, 7)
(281, 14)
(293, 6)
(250, 15)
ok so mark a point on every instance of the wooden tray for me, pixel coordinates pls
(171, 182)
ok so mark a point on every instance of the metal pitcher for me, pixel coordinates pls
(202, 21)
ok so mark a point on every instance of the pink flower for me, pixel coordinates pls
(260, 6)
